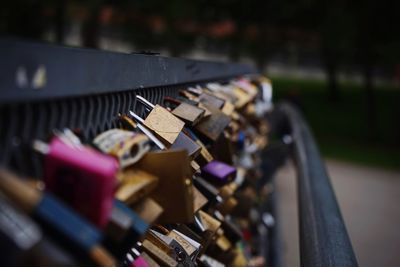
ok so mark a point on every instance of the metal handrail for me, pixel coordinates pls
(323, 236)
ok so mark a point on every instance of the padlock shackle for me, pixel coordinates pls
(145, 102)
(136, 117)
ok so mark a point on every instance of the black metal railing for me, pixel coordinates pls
(323, 236)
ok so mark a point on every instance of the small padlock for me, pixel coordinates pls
(211, 100)
(172, 247)
(148, 209)
(209, 222)
(158, 254)
(183, 141)
(218, 173)
(162, 122)
(204, 157)
(134, 185)
(207, 189)
(174, 191)
(213, 126)
(81, 176)
(128, 147)
(222, 149)
(190, 114)
(190, 246)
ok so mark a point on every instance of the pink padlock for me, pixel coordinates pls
(82, 177)
(139, 262)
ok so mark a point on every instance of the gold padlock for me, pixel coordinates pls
(134, 185)
(174, 191)
(162, 122)
(188, 113)
(212, 126)
(148, 209)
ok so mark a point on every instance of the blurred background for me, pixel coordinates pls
(338, 61)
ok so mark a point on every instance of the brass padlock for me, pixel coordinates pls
(171, 246)
(188, 113)
(162, 122)
(174, 191)
(134, 185)
(158, 254)
(211, 100)
(212, 126)
(182, 141)
(148, 209)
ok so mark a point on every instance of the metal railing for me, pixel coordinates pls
(323, 236)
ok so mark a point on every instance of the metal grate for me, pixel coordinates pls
(22, 123)
(83, 89)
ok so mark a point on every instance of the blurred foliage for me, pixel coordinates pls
(340, 128)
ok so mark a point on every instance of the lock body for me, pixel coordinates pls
(83, 178)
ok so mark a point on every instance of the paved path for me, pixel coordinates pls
(370, 202)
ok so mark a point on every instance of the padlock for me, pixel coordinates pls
(204, 157)
(172, 247)
(218, 173)
(174, 191)
(195, 166)
(148, 209)
(246, 85)
(227, 206)
(58, 219)
(161, 121)
(210, 100)
(207, 189)
(222, 149)
(194, 234)
(190, 114)
(228, 190)
(142, 128)
(81, 176)
(231, 230)
(211, 127)
(243, 98)
(128, 147)
(158, 254)
(209, 222)
(134, 185)
(183, 141)
(228, 108)
(190, 246)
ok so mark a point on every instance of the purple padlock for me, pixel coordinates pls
(218, 172)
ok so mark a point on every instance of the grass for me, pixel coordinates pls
(341, 128)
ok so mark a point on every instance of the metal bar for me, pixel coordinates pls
(323, 236)
(35, 71)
